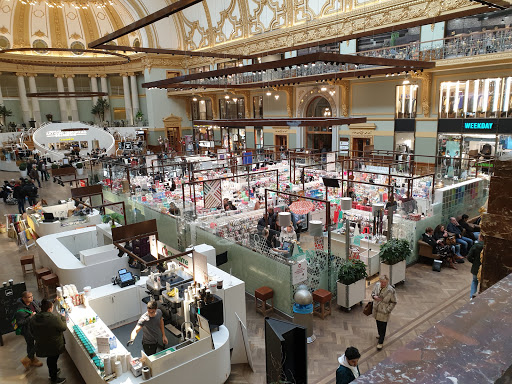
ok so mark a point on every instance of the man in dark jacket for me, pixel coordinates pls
(456, 229)
(474, 258)
(471, 231)
(19, 194)
(30, 191)
(48, 330)
(25, 309)
(348, 370)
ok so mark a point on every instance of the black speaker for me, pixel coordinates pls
(436, 265)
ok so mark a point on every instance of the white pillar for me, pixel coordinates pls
(135, 94)
(1, 96)
(62, 101)
(104, 88)
(127, 100)
(335, 138)
(74, 106)
(36, 111)
(94, 88)
(23, 97)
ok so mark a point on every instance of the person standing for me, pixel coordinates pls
(152, 324)
(19, 195)
(384, 301)
(30, 190)
(348, 370)
(474, 258)
(48, 330)
(34, 175)
(25, 309)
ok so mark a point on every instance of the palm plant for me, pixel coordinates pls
(4, 112)
(100, 107)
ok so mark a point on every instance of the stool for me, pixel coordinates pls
(25, 260)
(264, 294)
(322, 297)
(40, 273)
(50, 280)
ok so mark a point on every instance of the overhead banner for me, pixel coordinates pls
(212, 194)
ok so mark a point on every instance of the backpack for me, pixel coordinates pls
(15, 325)
(31, 191)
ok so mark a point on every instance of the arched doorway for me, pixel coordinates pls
(319, 137)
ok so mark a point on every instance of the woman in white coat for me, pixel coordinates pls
(384, 301)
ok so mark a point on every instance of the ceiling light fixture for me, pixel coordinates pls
(269, 93)
(276, 96)
(323, 89)
(194, 99)
(226, 97)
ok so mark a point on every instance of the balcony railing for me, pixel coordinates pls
(469, 44)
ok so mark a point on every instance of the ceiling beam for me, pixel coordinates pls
(170, 51)
(288, 81)
(178, 6)
(284, 122)
(299, 60)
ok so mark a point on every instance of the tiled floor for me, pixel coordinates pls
(425, 298)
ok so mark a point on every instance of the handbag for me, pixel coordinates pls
(450, 240)
(368, 308)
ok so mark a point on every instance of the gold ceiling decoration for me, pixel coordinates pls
(78, 4)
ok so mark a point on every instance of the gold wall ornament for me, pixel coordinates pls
(289, 99)
(344, 96)
(312, 93)
(426, 90)
(39, 33)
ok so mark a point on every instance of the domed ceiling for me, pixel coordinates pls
(32, 23)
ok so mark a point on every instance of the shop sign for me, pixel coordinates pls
(64, 133)
(478, 125)
(68, 139)
(299, 272)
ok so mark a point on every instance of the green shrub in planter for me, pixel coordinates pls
(117, 217)
(351, 270)
(23, 166)
(55, 166)
(79, 165)
(394, 251)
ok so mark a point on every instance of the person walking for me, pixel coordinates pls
(26, 307)
(348, 370)
(48, 330)
(384, 301)
(19, 195)
(474, 258)
(34, 175)
(30, 190)
(152, 324)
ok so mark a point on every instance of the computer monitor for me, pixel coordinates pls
(286, 246)
(65, 161)
(331, 182)
(48, 217)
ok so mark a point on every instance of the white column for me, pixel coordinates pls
(36, 111)
(62, 101)
(23, 97)
(135, 94)
(74, 106)
(335, 138)
(104, 88)
(1, 96)
(127, 100)
(94, 88)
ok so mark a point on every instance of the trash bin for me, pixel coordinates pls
(303, 311)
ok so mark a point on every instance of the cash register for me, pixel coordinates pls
(124, 278)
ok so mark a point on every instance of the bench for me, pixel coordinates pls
(425, 250)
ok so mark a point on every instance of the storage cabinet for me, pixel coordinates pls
(119, 307)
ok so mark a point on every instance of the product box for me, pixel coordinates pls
(136, 367)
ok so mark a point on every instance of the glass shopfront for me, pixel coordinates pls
(233, 139)
(406, 101)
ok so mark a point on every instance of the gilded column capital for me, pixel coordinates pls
(102, 75)
(69, 76)
(124, 74)
(344, 96)
(31, 74)
(92, 75)
(59, 75)
(130, 73)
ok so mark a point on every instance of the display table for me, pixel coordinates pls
(214, 364)
(61, 253)
(35, 220)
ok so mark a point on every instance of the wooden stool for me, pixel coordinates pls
(40, 273)
(50, 280)
(264, 294)
(322, 297)
(25, 260)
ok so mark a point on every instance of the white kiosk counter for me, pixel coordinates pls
(62, 222)
(84, 257)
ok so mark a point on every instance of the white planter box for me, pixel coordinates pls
(372, 263)
(395, 272)
(350, 295)
(80, 171)
(23, 173)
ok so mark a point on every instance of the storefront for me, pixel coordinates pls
(462, 142)
(233, 139)
(203, 138)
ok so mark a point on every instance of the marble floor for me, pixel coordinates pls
(425, 298)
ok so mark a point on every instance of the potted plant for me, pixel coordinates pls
(139, 116)
(55, 166)
(79, 168)
(23, 169)
(100, 108)
(4, 112)
(393, 255)
(351, 283)
(112, 218)
(49, 117)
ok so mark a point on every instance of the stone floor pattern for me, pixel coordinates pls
(425, 298)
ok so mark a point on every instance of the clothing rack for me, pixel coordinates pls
(23, 233)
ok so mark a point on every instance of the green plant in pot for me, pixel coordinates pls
(112, 218)
(351, 270)
(351, 284)
(394, 251)
(55, 166)
(393, 255)
(23, 167)
(79, 165)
